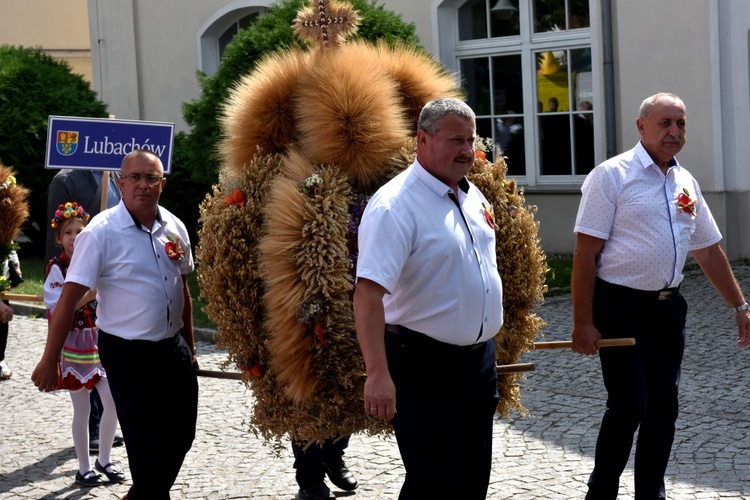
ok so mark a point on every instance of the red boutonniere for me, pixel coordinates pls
(684, 202)
(489, 215)
(481, 155)
(174, 248)
(236, 198)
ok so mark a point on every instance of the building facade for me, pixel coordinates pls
(556, 83)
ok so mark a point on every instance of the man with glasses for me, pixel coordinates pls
(137, 256)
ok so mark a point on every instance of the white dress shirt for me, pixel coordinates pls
(631, 204)
(139, 288)
(442, 278)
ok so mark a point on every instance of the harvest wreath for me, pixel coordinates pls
(14, 210)
(308, 137)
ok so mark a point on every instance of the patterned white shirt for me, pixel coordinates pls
(441, 276)
(631, 204)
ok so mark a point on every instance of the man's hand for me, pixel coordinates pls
(6, 313)
(584, 339)
(742, 318)
(380, 396)
(46, 375)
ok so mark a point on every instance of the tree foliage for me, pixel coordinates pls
(34, 86)
(269, 33)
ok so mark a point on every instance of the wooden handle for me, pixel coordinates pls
(567, 344)
(22, 296)
(219, 374)
(518, 367)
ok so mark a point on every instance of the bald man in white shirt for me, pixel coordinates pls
(137, 255)
(640, 214)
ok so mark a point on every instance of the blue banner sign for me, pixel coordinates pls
(101, 143)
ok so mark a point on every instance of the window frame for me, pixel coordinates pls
(215, 25)
(452, 51)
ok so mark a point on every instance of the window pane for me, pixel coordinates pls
(507, 81)
(583, 135)
(549, 15)
(554, 144)
(579, 14)
(472, 20)
(476, 80)
(509, 140)
(504, 18)
(552, 81)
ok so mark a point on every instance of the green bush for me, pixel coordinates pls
(34, 86)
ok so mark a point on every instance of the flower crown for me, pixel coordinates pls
(69, 210)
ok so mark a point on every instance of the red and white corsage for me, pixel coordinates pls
(489, 215)
(684, 203)
(174, 248)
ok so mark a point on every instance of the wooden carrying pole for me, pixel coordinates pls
(518, 367)
(21, 296)
(567, 344)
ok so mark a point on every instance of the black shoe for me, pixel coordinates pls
(341, 476)
(89, 479)
(93, 444)
(114, 475)
(317, 493)
(118, 441)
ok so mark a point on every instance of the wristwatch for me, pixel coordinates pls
(743, 307)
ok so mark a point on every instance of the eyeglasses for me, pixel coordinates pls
(151, 179)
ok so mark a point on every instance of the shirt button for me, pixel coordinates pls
(488, 290)
(165, 278)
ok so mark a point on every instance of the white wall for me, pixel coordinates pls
(665, 46)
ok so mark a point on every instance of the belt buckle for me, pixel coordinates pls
(665, 294)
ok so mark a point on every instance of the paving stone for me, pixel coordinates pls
(545, 455)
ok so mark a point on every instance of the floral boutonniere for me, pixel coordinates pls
(174, 248)
(684, 202)
(489, 215)
(312, 185)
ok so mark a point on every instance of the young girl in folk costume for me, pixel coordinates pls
(80, 369)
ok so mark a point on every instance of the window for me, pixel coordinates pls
(222, 26)
(526, 68)
(233, 29)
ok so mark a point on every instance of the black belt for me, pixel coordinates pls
(663, 294)
(416, 337)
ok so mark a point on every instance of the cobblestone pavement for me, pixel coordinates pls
(546, 455)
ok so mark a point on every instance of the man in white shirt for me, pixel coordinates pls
(640, 214)
(137, 256)
(427, 306)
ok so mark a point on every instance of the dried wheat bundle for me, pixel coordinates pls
(419, 79)
(348, 113)
(522, 267)
(232, 223)
(14, 208)
(259, 111)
